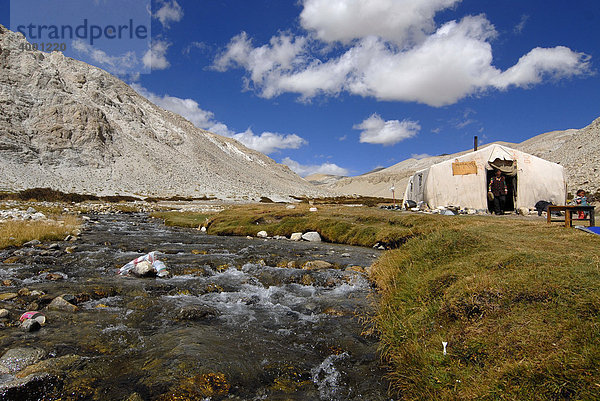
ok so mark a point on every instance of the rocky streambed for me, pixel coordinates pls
(237, 319)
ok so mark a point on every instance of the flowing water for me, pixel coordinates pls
(233, 321)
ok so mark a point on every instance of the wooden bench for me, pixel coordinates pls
(569, 210)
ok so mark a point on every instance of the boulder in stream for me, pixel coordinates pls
(311, 236)
(33, 387)
(317, 265)
(60, 304)
(197, 312)
(17, 359)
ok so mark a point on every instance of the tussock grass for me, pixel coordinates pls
(16, 233)
(347, 200)
(340, 224)
(182, 219)
(518, 303)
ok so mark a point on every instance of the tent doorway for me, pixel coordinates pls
(511, 196)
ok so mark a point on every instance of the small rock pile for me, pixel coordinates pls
(310, 236)
(17, 214)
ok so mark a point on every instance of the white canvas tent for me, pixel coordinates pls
(464, 181)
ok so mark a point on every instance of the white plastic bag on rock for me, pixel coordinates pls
(158, 266)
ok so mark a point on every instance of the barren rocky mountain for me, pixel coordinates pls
(578, 150)
(75, 128)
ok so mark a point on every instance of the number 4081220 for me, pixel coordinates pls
(45, 47)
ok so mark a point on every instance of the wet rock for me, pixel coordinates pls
(33, 306)
(345, 255)
(30, 325)
(32, 243)
(70, 249)
(24, 292)
(36, 293)
(7, 296)
(83, 297)
(8, 283)
(296, 237)
(41, 386)
(311, 236)
(262, 234)
(68, 237)
(70, 298)
(332, 282)
(197, 312)
(60, 304)
(203, 386)
(17, 359)
(4, 313)
(54, 366)
(54, 276)
(12, 259)
(317, 265)
(54, 246)
(135, 397)
(143, 269)
(356, 269)
(336, 312)
(307, 279)
(292, 265)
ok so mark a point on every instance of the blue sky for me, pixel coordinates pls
(345, 86)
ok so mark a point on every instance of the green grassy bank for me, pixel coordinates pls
(340, 224)
(517, 301)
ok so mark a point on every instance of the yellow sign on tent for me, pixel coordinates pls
(464, 168)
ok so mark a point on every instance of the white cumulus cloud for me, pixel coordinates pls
(555, 63)
(405, 56)
(269, 142)
(156, 56)
(377, 131)
(304, 170)
(169, 11)
(114, 64)
(265, 63)
(398, 21)
(188, 108)
(266, 142)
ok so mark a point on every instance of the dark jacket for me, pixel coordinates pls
(498, 186)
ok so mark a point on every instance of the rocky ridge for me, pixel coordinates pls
(75, 128)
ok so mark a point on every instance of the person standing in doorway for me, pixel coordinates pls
(499, 189)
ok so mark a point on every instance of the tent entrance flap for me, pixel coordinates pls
(508, 167)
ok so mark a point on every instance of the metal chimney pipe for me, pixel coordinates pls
(475, 143)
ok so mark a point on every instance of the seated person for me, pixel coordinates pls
(580, 200)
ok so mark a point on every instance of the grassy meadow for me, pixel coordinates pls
(17, 232)
(516, 300)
